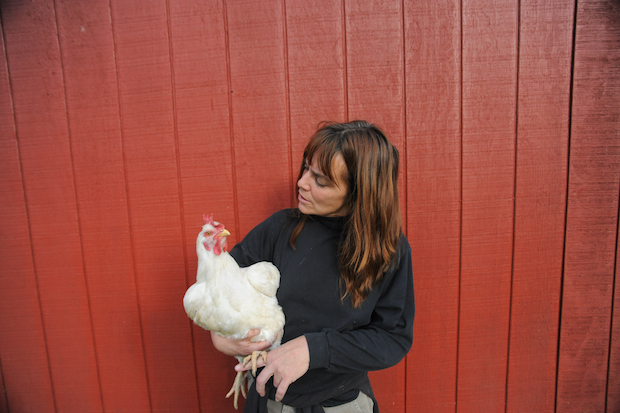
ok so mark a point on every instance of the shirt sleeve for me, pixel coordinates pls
(385, 340)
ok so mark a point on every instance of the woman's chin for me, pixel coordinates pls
(303, 208)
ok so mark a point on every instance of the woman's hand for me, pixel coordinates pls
(286, 364)
(241, 347)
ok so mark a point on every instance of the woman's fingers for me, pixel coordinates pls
(281, 389)
(252, 333)
(285, 364)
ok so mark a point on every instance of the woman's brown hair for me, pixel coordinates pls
(373, 226)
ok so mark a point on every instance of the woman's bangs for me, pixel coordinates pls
(324, 149)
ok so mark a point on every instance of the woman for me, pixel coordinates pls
(346, 278)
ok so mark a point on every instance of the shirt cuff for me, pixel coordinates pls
(318, 349)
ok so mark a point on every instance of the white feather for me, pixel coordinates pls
(230, 300)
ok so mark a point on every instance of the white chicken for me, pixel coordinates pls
(230, 300)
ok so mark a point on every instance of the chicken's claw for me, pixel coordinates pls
(239, 383)
(238, 386)
(254, 358)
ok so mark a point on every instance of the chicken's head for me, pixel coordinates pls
(213, 235)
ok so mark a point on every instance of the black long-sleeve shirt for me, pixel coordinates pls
(344, 342)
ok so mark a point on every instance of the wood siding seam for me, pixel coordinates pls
(566, 189)
(514, 201)
(132, 252)
(77, 204)
(4, 397)
(175, 121)
(28, 218)
(613, 307)
(404, 157)
(231, 119)
(287, 89)
(460, 248)
(345, 61)
(593, 211)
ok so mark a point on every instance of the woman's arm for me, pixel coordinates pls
(385, 340)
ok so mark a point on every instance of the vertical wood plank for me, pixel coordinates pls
(545, 49)
(315, 42)
(259, 94)
(488, 120)
(433, 58)
(41, 120)
(375, 86)
(375, 65)
(150, 155)
(613, 376)
(375, 73)
(592, 213)
(92, 102)
(22, 337)
(4, 406)
(205, 160)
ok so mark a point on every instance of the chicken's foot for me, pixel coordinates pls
(239, 383)
(238, 386)
(254, 358)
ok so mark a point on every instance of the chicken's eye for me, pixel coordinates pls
(208, 234)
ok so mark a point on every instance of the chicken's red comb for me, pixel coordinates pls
(209, 220)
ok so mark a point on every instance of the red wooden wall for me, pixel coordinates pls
(123, 121)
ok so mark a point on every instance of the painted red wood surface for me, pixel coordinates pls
(3, 402)
(22, 341)
(85, 33)
(123, 122)
(259, 109)
(142, 39)
(613, 380)
(316, 70)
(545, 39)
(38, 96)
(592, 212)
(432, 51)
(489, 61)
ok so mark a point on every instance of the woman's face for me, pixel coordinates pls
(317, 194)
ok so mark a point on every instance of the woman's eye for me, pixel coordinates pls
(320, 184)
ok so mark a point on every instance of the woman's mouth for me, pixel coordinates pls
(300, 198)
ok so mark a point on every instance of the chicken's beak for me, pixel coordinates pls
(224, 233)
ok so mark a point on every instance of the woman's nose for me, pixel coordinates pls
(303, 181)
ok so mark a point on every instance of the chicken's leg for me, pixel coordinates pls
(238, 386)
(254, 358)
(239, 383)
